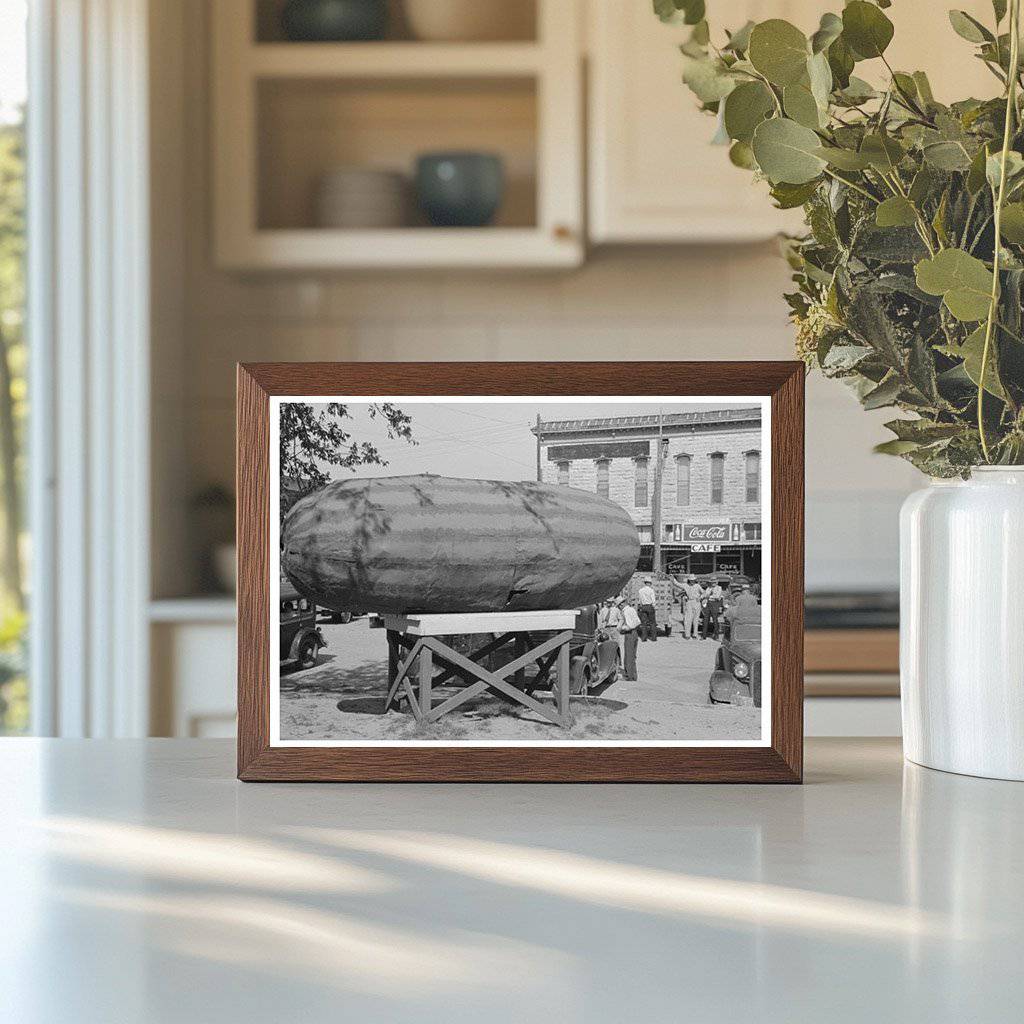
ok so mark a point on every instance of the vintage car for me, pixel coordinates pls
(594, 658)
(737, 675)
(301, 639)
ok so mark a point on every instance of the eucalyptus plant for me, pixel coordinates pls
(910, 277)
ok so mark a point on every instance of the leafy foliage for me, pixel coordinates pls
(314, 438)
(909, 277)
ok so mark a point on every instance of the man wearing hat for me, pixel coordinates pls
(691, 597)
(629, 630)
(646, 601)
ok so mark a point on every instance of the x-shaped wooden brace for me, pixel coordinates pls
(424, 648)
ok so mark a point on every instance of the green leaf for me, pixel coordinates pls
(788, 196)
(779, 51)
(971, 352)
(841, 63)
(857, 91)
(939, 220)
(707, 78)
(866, 29)
(745, 108)
(1012, 224)
(819, 74)
(883, 152)
(739, 41)
(741, 155)
(976, 173)
(969, 28)
(895, 447)
(922, 431)
(665, 10)
(993, 167)
(924, 88)
(786, 151)
(963, 281)
(690, 12)
(801, 106)
(895, 212)
(947, 156)
(922, 185)
(884, 394)
(844, 159)
(829, 30)
(701, 34)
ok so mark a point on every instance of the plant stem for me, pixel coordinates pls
(853, 185)
(1011, 108)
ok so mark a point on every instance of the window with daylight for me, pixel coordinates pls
(753, 476)
(14, 537)
(717, 478)
(602, 477)
(563, 474)
(640, 486)
(682, 479)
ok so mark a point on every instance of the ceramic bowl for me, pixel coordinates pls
(460, 189)
(333, 21)
(470, 20)
(359, 197)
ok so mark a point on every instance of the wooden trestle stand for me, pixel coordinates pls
(414, 644)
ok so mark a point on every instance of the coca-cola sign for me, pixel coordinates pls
(706, 533)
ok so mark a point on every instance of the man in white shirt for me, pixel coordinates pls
(691, 598)
(646, 601)
(609, 620)
(629, 629)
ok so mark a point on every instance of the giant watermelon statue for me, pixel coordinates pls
(437, 544)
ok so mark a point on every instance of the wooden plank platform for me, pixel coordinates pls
(479, 622)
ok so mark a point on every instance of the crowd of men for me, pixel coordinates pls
(705, 608)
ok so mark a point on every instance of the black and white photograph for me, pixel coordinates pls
(517, 571)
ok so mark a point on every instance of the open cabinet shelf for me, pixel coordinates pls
(287, 114)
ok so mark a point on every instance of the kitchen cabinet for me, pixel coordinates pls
(654, 177)
(286, 114)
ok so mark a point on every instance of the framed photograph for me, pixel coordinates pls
(565, 572)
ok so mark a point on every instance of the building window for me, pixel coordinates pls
(682, 479)
(753, 476)
(602, 477)
(751, 531)
(717, 478)
(640, 486)
(563, 474)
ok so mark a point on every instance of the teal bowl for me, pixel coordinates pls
(462, 190)
(334, 21)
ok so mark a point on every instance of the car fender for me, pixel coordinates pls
(723, 687)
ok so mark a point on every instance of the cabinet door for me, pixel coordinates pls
(654, 176)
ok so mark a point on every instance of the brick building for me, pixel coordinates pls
(711, 481)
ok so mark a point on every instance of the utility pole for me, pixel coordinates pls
(656, 504)
(540, 476)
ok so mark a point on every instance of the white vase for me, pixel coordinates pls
(962, 624)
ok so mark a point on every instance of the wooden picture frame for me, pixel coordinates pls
(780, 759)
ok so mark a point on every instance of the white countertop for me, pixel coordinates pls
(140, 882)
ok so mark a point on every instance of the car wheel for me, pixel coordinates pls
(585, 681)
(309, 651)
(613, 676)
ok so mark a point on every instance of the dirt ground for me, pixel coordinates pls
(342, 697)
